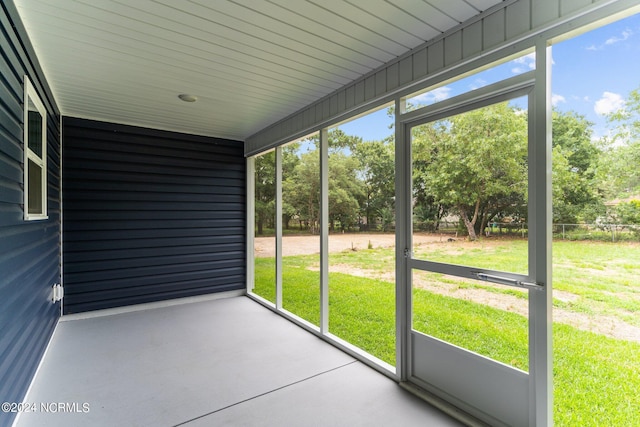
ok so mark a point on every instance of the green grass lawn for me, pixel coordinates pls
(604, 277)
(596, 378)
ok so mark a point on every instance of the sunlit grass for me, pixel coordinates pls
(505, 255)
(596, 378)
(479, 328)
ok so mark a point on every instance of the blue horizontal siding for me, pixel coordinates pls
(120, 245)
(149, 215)
(29, 250)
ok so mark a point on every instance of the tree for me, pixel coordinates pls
(629, 212)
(290, 161)
(619, 174)
(376, 171)
(475, 163)
(345, 190)
(627, 118)
(427, 210)
(301, 189)
(573, 132)
(574, 164)
(301, 181)
(265, 190)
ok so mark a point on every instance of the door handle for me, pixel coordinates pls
(508, 281)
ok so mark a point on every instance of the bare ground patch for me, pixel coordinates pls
(303, 245)
(310, 244)
(605, 325)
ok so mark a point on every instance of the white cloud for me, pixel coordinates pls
(625, 35)
(556, 99)
(527, 61)
(530, 57)
(609, 103)
(436, 95)
(477, 84)
(612, 40)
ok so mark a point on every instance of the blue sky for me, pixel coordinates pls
(592, 75)
(594, 72)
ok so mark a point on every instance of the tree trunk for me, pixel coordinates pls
(469, 224)
(483, 224)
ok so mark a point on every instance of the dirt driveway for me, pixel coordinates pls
(306, 245)
(610, 326)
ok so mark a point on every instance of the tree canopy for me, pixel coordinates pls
(472, 166)
(619, 175)
(574, 162)
(475, 164)
(265, 191)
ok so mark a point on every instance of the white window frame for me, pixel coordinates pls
(30, 94)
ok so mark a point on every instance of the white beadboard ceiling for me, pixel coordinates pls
(249, 62)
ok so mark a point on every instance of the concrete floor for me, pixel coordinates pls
(226, 362)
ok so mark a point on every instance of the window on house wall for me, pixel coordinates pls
(35, 154)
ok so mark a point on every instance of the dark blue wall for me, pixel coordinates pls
(29, 250)
(149, 215)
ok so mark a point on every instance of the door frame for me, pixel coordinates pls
(535, 405)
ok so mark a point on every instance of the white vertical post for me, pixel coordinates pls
(324, 231)
(403, 240)
(278, 220)
(251, 222)
(540, 219)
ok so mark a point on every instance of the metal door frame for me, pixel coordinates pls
(526, 398)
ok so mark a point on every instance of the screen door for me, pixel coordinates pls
(471, 264)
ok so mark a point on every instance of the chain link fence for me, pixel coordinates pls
(597, 232)
(583, 232)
